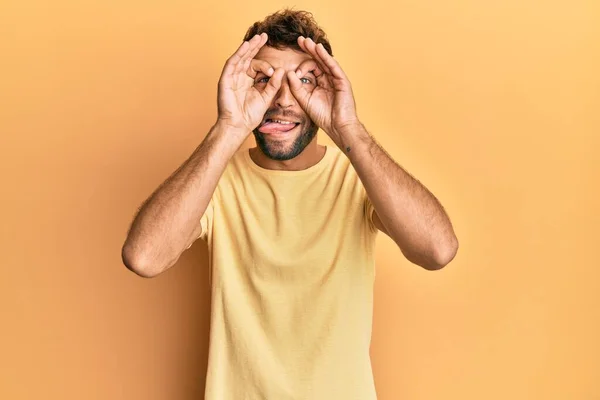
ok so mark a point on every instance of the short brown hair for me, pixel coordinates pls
(283, 28)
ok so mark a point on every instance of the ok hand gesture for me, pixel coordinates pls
(241, 106)
(331, 103)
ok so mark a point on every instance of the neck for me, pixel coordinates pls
(311, 155)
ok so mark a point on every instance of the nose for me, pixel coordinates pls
(284, 97)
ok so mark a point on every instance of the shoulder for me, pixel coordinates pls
(237, 164)
(341, 164)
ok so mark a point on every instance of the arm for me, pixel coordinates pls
(404, 209)
(168, 221)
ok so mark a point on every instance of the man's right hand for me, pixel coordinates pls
(241, 107)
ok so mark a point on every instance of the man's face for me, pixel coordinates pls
(273, 137)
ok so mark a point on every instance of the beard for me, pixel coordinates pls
(276, 150)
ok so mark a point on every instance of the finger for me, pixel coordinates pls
(254, 46)
(259, 44)
(238, 55)
(313, 48)
(257, 66)
(307, 66)
(273, 85)
(309, 46)
(253, 51)
(232, 62)
(330, 62)
(298, 89)
(324, 81)
(311, 65)
(304, 45)
(232, 65)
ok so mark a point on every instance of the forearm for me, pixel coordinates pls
(168, 221)
(410, 213)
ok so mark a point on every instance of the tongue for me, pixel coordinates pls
(274, 127)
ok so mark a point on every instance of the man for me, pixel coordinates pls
(290, 224)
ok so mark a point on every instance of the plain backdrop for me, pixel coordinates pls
(494, 106)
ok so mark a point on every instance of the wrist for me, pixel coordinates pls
(228, 138)
(351, 135)
(225, 127)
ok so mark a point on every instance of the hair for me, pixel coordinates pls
(283, 28)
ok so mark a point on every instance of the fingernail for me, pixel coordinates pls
(298, 73)
(270, 71)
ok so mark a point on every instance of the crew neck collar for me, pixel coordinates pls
(322, 163)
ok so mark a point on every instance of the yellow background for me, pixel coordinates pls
(493, 105)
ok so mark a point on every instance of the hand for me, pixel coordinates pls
(331, 103)
(241, 107)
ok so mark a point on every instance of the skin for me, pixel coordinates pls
(405, 210)
(167, 222)
(285, 106)
(294, 151)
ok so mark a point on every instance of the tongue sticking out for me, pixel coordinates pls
(275, 127)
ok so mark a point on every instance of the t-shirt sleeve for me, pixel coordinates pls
(369, 210)
(207, 219)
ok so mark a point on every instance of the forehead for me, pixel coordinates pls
(287, 58)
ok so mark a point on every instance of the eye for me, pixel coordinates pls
(305, 80)
(264, 79)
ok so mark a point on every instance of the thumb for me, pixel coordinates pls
(297, 88)
(273, 86)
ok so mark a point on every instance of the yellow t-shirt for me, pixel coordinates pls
(292, 269)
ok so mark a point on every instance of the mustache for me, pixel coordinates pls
(277, 112)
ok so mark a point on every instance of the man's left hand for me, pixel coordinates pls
(329, 101)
